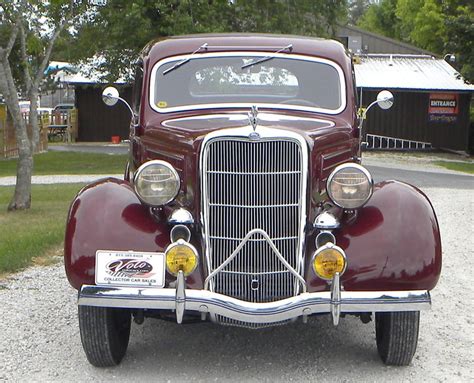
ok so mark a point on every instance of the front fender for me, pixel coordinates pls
(392, 243)
(107, 215)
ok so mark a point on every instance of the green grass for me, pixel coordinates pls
(70, 163)
(34, 232)
(466, 167)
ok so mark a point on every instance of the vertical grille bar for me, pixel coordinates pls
(253, 184)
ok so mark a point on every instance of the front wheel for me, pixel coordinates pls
(104, 334)
(397, 336)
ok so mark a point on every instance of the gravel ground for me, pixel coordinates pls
(40, 340)
(414, 162)
(59, 179)
(91, 148)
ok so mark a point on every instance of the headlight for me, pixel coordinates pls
(182, 256)
(329, 260)
(350, 186)
(156, 183)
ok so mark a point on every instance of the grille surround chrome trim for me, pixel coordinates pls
(268, 134)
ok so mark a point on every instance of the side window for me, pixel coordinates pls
(137, 87)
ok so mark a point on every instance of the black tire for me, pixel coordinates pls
(397, 336)
(104, 334)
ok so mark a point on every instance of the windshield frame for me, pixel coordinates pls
(261, 105)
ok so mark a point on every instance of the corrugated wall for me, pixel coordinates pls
(409, 119)
(97, 121)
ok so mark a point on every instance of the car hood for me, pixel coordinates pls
(190, 130)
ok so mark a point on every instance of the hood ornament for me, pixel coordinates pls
(253, 118)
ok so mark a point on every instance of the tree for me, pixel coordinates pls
(422, 23)
(357, 9)
(459, 27)
(119, 30)
(445, 26)
(381, 18)
(25, 50)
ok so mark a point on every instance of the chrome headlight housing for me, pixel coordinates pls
(350, 186)
(156, 183)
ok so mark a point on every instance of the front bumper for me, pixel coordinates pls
(204, 301)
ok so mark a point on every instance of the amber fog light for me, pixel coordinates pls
(181, 256)
(156, 183)
(329, 260)
(350, 186)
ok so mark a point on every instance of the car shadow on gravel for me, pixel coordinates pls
(204, 350)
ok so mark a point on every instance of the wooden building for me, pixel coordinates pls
(97, 121)
(431, 107)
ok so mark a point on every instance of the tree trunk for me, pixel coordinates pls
(22, 198)
(35, 130)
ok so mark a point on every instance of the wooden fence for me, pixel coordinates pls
(61, 126)
(53, 127)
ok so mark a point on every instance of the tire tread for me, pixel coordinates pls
(103, 345)
(397, 336)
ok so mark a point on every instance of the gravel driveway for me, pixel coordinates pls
(59, 179)
(40, 340)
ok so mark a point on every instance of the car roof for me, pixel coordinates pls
(304, 45)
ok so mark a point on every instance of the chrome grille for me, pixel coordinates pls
(247, 185)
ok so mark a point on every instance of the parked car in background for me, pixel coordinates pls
(245, 203)
(60, 114)
(63, 107)
(47, 111)
(24, 106)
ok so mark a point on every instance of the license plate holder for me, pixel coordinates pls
(129, 268)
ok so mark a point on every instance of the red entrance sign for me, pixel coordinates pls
(443, 103)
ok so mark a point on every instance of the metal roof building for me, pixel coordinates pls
(431, 107)
(420, 72)
(360, 41)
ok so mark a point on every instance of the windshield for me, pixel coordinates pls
(237, 79)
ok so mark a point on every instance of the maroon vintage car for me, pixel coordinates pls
(244, 202)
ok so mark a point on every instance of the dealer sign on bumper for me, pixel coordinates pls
(129, 268)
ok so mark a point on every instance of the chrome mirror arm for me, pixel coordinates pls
(110, 97)
(364, 114)
(134, 116)
(384, 100)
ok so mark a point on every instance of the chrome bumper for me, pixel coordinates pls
(204, 301)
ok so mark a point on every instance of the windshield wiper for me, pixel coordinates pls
(289, 48)
(184, 61)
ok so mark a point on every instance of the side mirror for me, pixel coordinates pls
(110, 96)
(385, 99)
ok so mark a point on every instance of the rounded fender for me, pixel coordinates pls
(392, 243)
(107, 215)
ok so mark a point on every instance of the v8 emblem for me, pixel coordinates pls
(255, 284)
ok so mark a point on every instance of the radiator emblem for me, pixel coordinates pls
(253, 118)
(254, 136)
(255, 284)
